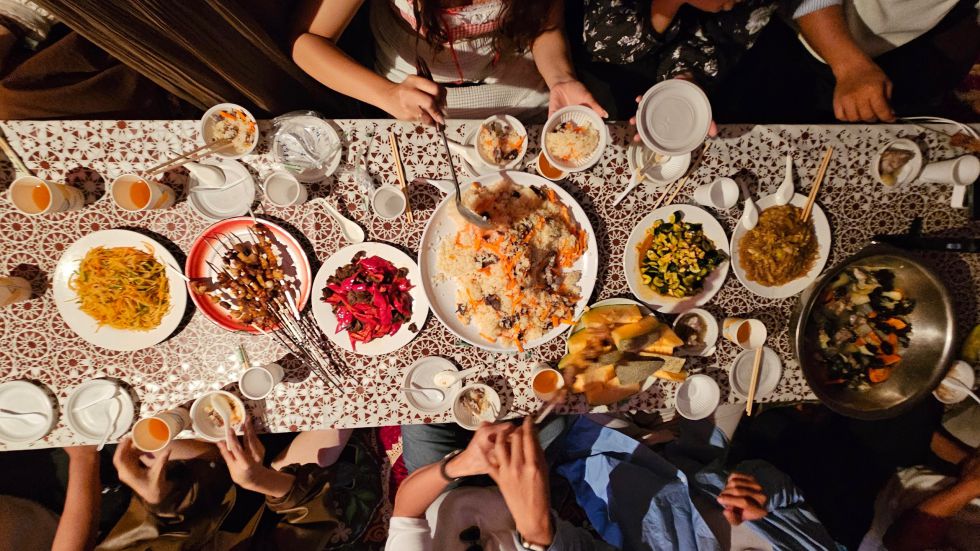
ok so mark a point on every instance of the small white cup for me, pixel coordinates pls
(171, 422)
(539, 370)
(27, 193)
(284, 190)
(959, 172)
(257, 382)
(13, 290)
(388, 202)
(748, 334)
(721, 194)
(159, 196)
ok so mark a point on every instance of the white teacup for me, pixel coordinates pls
(388, 202)
(748, 334)
(284, 190)
(257, 382)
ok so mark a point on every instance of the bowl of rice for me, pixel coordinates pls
(574, 138)
(234, 122)
(501, 141)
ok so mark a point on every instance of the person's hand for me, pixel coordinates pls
(742, 499)
(971, 471)
(573, 92)
(862, 93)
(517, 466)
(415, 99)
(244, 461)
(474, 460)
(712, 129)
(81, 453)
(148, 481)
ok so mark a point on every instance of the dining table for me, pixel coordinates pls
(37, 345)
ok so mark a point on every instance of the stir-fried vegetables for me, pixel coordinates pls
(676, 257)
(863, 327)
(122, 287)
(370, 298)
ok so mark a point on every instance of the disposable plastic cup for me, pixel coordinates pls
(35, 196)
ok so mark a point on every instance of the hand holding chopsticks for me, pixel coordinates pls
(821, 172)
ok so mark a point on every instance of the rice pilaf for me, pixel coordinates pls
(515, 281)
(571, 142)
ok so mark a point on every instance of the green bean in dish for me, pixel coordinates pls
(676, 257)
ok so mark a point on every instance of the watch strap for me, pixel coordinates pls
(445, 461)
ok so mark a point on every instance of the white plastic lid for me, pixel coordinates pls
(673, 117)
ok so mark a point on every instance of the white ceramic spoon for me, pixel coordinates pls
(785, 192)
(433, 394)
(111, 416)
(953, 383)
(22, 416)
(221, 407)
(348, 228)
(207, 176)
(750, 213)
(449, 377)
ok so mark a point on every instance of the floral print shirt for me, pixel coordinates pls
(704, 44)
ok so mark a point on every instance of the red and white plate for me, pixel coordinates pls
(295, 262)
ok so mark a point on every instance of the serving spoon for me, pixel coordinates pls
(955, 383)
(348, 228)
(433, 394)
(784, 194)
(750, 213)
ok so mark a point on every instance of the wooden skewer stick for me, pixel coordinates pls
(680, 183)
(19, 165)
(756, 364)
(816, 184)
(400, 171)
(200, 151)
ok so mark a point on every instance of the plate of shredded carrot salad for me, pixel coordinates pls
(114, 289)
(520, 283)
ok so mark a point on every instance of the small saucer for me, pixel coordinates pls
(234, 201)
(697, 397)
(91, 422)
(770, 372)
(422, 375)
(666, 172)
(23, 396)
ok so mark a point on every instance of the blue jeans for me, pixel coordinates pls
(426, 444)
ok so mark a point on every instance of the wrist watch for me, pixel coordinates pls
(445, 461)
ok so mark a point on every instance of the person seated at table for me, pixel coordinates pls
(856, 60)
(922, 508)
(187, 497)
(486, 57)
(25, 524)
(435, 510)
(622, 48)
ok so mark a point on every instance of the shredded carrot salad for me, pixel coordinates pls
(122, 287)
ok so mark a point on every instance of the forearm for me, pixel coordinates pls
(422, 487)
(925, 526)
(951, 500)
(272, 483)
(826, 31)
(550, 50)
(662, 12)
(329, 65)
(77, 526)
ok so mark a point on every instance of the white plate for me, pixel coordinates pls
(107, 337)
(631, 260)
(234, 201)
(822, 228)
(92, 422)
(770, 372)
(710, 334)
(23, 396)
(467, 421)
(442, 294)
(422, 375)
(697, 397)
(665, 173)
(323, 312)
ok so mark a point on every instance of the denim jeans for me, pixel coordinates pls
(426, 444)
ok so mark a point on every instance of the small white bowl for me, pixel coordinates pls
(953, 394)
(711, 331)
(909, 172)
(203, 426)
(697, 397)
(464, 418)
(770, 372)
(422, 375)
(579, 115)
(513, 123)
(206, 122)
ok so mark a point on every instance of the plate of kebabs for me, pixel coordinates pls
(244, 272)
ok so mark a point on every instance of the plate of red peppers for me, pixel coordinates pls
(369, 299)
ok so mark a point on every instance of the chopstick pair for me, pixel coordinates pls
(680, 183)
(756, 365)
(817, 181)
(197, 153)
(400, 171)
(19, 165)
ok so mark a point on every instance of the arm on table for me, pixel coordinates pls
(924, 527)
(77, 525)
(320, 25)
(863, 90)
(554, 62)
